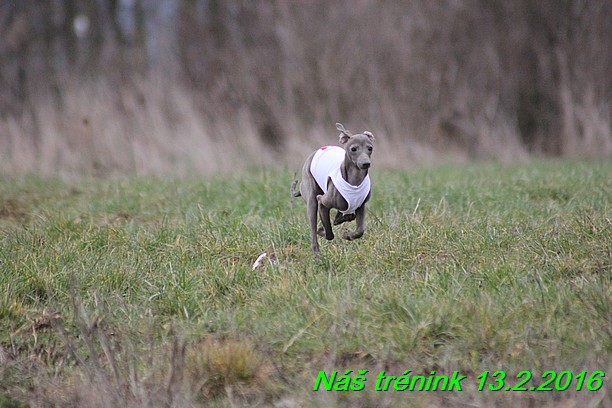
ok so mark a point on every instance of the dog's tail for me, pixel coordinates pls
(294, 192)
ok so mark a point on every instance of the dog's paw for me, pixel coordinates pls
(348, 236)
(341, 218)
(321, 232)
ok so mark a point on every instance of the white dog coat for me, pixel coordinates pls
(326, 164)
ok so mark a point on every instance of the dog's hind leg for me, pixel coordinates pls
(311, 211)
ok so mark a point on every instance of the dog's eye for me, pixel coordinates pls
(353, 149)
(369, 148)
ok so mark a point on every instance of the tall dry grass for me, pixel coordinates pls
(241, 84)
(154, 128)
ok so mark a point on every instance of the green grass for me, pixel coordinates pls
(140, 291)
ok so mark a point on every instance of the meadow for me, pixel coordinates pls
(141, 291)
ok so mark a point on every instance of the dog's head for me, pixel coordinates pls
(358, 147)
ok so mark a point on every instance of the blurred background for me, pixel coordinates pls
(179, 87)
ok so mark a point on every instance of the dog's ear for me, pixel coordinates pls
(369, 135)
(343, 138)
(345, 135)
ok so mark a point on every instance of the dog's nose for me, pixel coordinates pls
(365, 165)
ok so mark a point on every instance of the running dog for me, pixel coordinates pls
(336, 177)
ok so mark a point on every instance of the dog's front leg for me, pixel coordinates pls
(324, 214)
(360, 221)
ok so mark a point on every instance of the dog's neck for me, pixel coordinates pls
(351, 173)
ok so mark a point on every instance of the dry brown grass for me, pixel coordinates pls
(154, 128)
(102, 366)
(247, 84)
(230, 368)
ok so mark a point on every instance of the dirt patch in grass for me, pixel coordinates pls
(12, 209)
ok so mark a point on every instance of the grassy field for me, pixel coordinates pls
(141, 291)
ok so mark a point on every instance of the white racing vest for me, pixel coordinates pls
(326, 164)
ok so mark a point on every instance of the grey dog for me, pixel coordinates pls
(322, 192)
